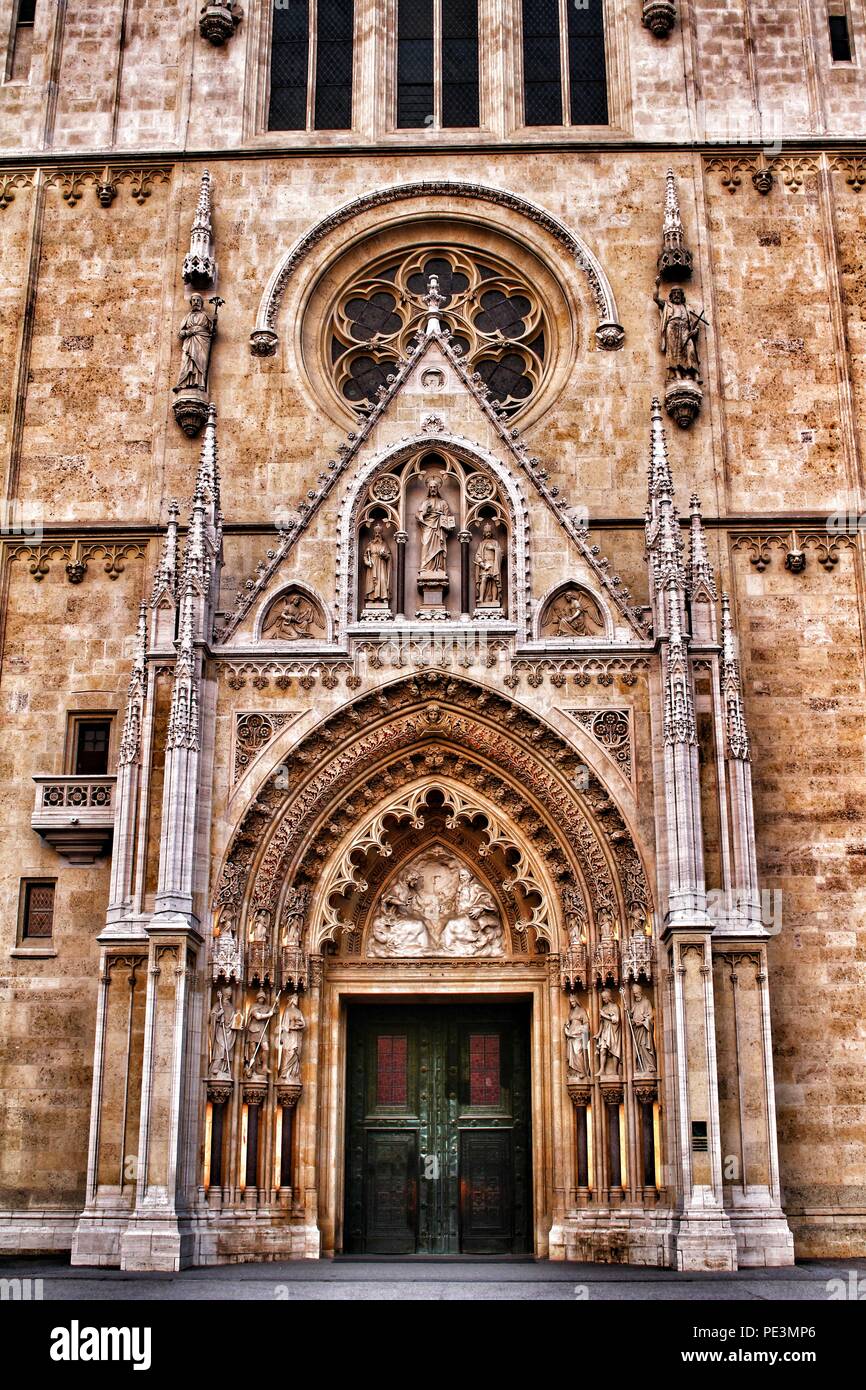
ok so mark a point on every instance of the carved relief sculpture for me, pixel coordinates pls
(196, 334)
(292, 1028)
(608, 1039)
(227, 956)
(571, 613)
(260, 947)
(435, 907)
(577, 1036)
(218, 22)
(293, 617)
(678, 335)
(292, 963)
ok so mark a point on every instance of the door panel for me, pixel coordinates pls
(437, 1155)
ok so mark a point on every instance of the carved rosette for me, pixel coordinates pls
(217, 23)
(659, 16)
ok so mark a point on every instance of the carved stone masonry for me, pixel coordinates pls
(218, 22)
(659, 16)
(675, 261)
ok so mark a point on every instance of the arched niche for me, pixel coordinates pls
(293, 614)
(572, 612)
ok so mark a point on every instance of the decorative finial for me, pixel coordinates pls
(701, 576)
(735, 719)
(199, 267)
(434, 300)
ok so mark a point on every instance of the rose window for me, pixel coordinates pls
(496, 320)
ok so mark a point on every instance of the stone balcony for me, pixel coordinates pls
(75, 815)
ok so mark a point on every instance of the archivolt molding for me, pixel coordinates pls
(374, 837)
(432, 724)
(609, 332)
(465, 449)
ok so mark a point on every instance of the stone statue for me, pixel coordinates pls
(577, 1041)
(377, 561)
(488, 568)
(642, 1022)
(291, 1041)
(258, 1049)
(196, 336)
(608, 1039)
(222, 1037)
(678, 334)
(435, 521)
(435, 907)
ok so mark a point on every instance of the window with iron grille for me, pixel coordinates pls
(564, 75)
(37, 910)
(312, 52)
(437, 64)
(21, 47)
(840, 35)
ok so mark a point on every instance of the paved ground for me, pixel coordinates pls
(444, 1279)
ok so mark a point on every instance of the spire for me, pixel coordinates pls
(183, 726)
(661, 483)
(165, 579)
(130, 739)
(199, 267)
(735, 720)
(205, 525)
(675, 261)
(433, 299)
(700, 572)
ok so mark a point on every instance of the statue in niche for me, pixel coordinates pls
(436, 907)
(377, 562)
(293, 620)
(608, 1039)
(223, 1035)
(196, 336)
(488, 569)
(292, 1028)
(678, 334)
(258, 1049)
(572, 614)
(577, 1041)
(435, 521)
(641, 1013)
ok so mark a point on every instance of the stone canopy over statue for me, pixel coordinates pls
(435, 907)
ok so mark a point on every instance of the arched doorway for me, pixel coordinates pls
(435, 785)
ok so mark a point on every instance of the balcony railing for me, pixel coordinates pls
(75, 815)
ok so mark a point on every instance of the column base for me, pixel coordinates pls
(705, 1242)
(154, 1243)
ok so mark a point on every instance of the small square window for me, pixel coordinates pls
(840, 39)
(37, 910)
(89, 745)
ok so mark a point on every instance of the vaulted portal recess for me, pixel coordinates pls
(438, 1129)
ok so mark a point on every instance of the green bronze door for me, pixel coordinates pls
(437, 1153)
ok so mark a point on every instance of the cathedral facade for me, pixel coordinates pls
(433, 632)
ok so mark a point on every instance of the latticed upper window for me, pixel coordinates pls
(311, 65)
(37, 911)
(496, 318)
(437, 63)
(564, 78)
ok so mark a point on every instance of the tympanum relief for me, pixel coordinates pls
(432, 542)
(294, 617)
(571, 612)
(435, 907)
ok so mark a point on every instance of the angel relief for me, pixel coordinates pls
(572, 613)
(435, 907)
(293, 617)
